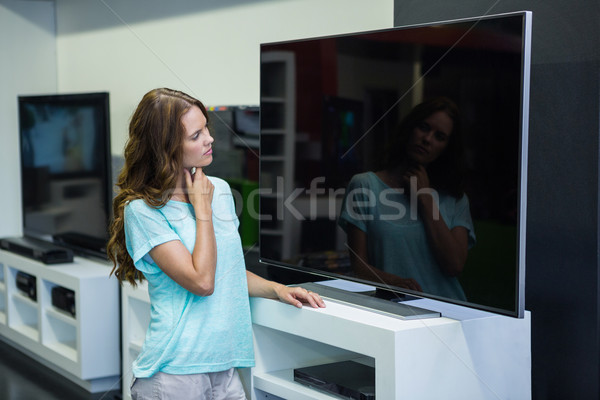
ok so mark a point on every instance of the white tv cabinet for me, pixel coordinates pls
(465, 354)
(135, 318)
(83, 347)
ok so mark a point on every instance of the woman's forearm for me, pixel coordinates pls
(260, 287)
(204, 255)
(448, 246)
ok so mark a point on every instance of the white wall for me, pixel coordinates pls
(209, 49)
(27, 66)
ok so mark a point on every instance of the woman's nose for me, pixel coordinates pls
(427, 136)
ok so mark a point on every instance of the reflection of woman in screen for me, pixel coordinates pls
(408, 224)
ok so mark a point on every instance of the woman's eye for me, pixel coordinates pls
(424, 126)
(442, 137)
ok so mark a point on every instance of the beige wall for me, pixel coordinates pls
(27, 66)
(208, 49)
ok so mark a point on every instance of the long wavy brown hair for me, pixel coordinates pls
(153, 163)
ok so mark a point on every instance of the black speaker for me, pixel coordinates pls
(27, 284)
(63, 299)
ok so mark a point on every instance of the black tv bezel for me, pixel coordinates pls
(101, 101)
(519, 310)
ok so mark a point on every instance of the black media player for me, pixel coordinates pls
(39, 250)
(63, 299)
(346, 379)
(27, 284)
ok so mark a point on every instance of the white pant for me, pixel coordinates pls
(224, 385)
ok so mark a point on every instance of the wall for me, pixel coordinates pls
(27, 66)
(207, 48)
(562, 286)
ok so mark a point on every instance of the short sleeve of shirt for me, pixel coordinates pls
(356, 204)
(462, 217)
(145, 228)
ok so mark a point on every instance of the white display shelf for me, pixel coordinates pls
(135, 318)
(465, 354)
(23, 299)
(61, 315)
(480, 356)
(28, 331)
(84, 348)
(67, 350)
(282, 383)
(135, 347)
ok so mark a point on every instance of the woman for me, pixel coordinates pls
(409, 224)
(176, 227)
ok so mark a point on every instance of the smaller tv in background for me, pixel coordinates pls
(66, 170)
(236, 130)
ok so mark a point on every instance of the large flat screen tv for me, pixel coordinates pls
(66, 169)
(370, 139)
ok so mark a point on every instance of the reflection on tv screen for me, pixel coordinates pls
(394, 131)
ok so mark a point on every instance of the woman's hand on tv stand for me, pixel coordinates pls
(296, 296)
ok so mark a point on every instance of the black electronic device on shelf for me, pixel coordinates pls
(63, 299)
(39, 250)
(27, 284)
(347, 379)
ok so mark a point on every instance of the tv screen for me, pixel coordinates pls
(66, 169)
(350, 170)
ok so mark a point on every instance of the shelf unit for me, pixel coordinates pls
(135, 318)
(83, 347)
(277, 152)
(465, 354)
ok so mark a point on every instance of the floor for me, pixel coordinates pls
(22, 378)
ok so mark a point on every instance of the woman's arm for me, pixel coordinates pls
(196, 271)
(359, 259)
(449, 246)
(259, 287)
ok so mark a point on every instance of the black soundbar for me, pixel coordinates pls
(39, 250)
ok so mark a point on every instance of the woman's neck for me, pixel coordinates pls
(179, 193)
(392, 176)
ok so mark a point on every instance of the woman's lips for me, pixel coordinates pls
(421, 150)
(209, 152)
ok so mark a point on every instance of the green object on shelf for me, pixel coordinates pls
(246, 191)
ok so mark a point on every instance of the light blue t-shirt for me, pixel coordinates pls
(190, 334)
(396, 239)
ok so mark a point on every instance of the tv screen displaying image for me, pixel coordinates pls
(66, 169)
(350, 122)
